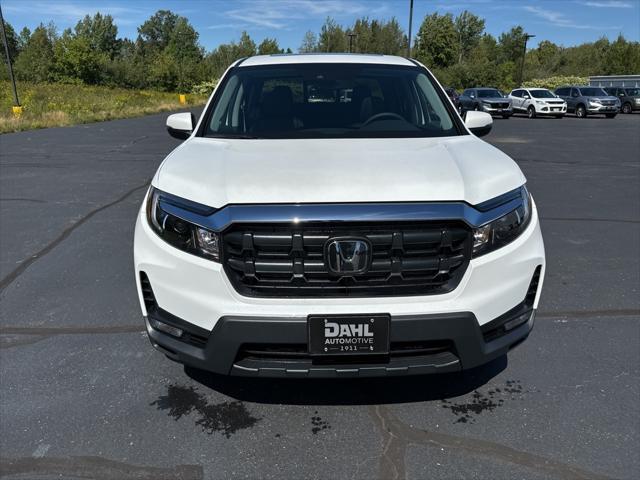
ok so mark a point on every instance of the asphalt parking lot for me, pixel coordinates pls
(84, 395)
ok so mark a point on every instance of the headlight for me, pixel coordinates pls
(179, 232)
(505, 229)
(595, 103)
(540, 102)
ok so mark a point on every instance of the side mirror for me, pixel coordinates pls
(472, 95)
(479, 123)
(180, 125)
(526, 96)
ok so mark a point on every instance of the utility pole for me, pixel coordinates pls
(16, 107)
(351, 37)
(524, 54)
(410, 23)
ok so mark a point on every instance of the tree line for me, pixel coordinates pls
(167, 55)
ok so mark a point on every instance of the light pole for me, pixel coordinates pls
(351, 37)
(16, 108)
(524, 54)
(410, 23)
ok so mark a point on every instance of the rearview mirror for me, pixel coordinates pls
(180, 125)
(479, 123)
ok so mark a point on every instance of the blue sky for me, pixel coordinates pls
(566, 22)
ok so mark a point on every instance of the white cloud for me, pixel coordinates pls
(225, 26)
(559, 19)
(279, 14)
(68, 9)
(74, 11)
(608, 4)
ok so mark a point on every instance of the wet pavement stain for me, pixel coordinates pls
(318, 424)
(481, 402)
(225, 417)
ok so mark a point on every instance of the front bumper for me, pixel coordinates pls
(551, 109)
(219, 321)
(498, 111)
(603, 108)
(451, 342)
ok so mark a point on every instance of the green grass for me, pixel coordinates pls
(55, 105)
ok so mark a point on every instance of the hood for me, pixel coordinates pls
(217, 172)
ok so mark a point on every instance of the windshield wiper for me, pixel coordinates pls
(234, 135)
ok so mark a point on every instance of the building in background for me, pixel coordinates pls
(615, 81)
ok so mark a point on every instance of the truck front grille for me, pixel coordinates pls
(420, 258)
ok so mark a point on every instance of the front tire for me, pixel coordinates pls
(626, 108)
(581, 112)
(531, 112)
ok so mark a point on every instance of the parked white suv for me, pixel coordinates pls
(537, 101)
(303, 231)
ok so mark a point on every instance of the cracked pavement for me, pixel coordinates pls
(84, 395)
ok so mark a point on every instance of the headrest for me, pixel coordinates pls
(278, 102)
(359, 93)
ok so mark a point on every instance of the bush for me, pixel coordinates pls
(204, 88)
(554, 82)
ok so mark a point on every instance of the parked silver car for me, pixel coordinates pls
(585, 101)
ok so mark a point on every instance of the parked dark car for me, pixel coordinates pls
(629, 97)
(455, 98)
(585, 101)
(485, 99)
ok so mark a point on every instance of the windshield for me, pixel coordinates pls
(593, 92)
(489, 93)
(542, 94)
(328, 101)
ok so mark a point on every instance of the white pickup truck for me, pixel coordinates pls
(333, 215)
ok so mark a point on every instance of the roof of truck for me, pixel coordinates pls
(292, 58)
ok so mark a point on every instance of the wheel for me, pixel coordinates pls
(531, 112)
(626, 108)
(610, 115)
(581, 112)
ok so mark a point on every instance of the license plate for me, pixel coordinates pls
(348, 334)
